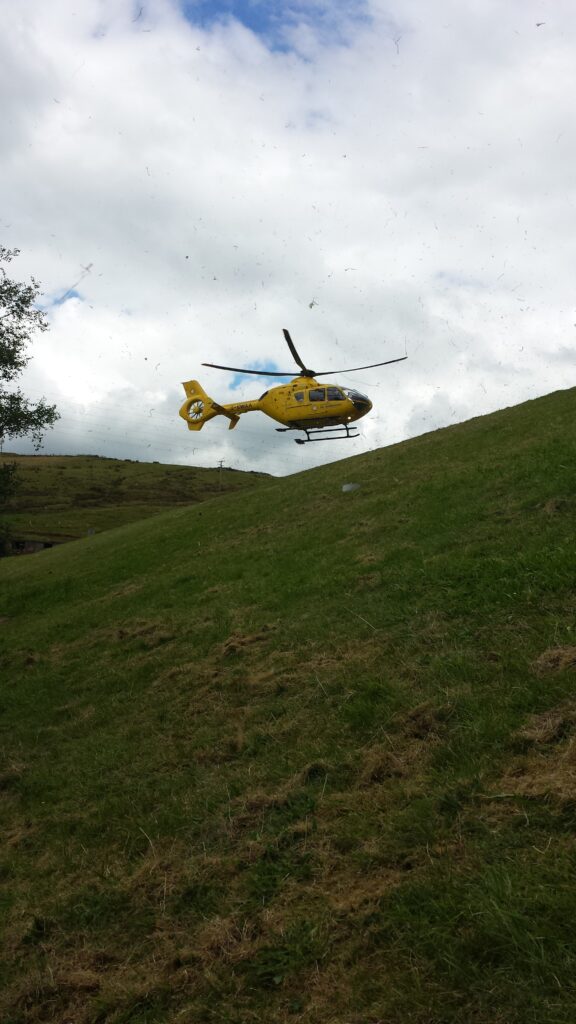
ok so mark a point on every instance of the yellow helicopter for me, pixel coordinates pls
(323, 412)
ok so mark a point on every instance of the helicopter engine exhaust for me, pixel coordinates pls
(199, 407)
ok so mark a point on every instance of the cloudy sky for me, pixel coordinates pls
(187, 177)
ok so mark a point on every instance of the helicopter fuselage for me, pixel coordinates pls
(307, 402)
(301, 404)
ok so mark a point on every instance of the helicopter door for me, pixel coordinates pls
(317, 399)
(296, 400)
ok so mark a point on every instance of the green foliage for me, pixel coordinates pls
(8, 482)
(19, 320)
(8, 486)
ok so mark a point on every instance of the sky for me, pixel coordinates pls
(382, 177)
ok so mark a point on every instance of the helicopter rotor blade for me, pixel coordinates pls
(256, 373)
(352, 369)
(292, 348)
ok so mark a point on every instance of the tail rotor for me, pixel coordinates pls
(199, 407)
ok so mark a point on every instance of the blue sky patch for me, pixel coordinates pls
(270, 19)
(71, 293)
(454, 279)
(239, 378)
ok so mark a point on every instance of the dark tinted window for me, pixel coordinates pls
(356, 395)
(334, 394)
(299, 396)
(317, 395)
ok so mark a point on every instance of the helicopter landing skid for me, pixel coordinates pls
(326, 433)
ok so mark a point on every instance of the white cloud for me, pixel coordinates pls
(411, 186)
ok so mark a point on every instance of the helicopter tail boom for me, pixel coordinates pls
(199, 407)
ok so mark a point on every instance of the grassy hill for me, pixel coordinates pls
(303, 756)
(61, 497)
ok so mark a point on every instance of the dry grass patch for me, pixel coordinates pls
(237, 642)
(11, 776)
(348, 892)
(75, 711)
(368, 558)
(345, 655)
(19, 835)
(123, 591)
(545, 776)
(555, 659)
(549, 726)
(425, 721)
(251, 808)
(380, 764)
(556, 505)
(229, 939)
(549, 768)
(434, 628)
(151, 633)
(369, 581)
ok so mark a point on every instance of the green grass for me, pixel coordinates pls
(63, 497)
(300, 755)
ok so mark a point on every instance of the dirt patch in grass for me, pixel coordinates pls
(349, 892)
(425, 721)
(237, 643)
(252, 807)
(314, 771)
(151, 633)
(549, 726)
(545, 776)
(66, 995)
(434, 628)
(554, 506)
(124, 591)
(20, 835)
(548, 769)
(555, 659)
(369, 581)
(345, 655)
(381, 764)
(218, 588)
(202, 674)
(230, 939)
(75, 711)
(10, 777)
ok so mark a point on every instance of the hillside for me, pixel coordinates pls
(62, 497)
(299, 755)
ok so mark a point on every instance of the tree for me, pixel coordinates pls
(19, 318)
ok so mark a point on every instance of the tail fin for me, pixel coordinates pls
(199, 407)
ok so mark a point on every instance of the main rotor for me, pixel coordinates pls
(303, 371)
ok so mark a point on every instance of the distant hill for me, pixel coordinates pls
(303, 755)
(62, 497)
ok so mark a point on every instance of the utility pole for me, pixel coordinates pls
(220, 465)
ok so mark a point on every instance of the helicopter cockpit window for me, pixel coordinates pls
(317, 395)
(356, 396)
(299, 396)
(334, 394)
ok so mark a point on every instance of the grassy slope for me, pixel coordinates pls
(302, 755)
(63, 496)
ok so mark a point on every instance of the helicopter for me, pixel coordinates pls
(322, 412)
